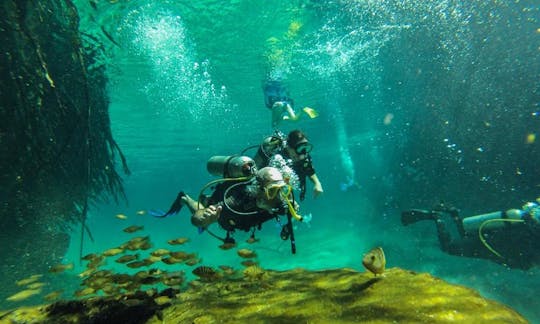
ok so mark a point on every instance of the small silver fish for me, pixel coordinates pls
(375, 261)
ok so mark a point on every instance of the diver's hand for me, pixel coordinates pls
(206, 216)
(317, 190)
(212, 212)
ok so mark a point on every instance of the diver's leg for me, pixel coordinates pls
(443, 235)
(192, 204)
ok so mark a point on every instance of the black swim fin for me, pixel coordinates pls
(176, 206)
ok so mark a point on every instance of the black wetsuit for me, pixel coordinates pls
(240, 211)
(275, 91)
(302, 168)
(517, 243)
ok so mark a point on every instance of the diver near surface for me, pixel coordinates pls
(291, 155)
(243, 199)
(278, 100)
(511, 237)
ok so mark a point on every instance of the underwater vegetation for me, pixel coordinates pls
(149, 284)
(55, 138)
(257, 295)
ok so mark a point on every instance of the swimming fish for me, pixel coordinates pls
(177, 241)
(22, 295)
(61, 267)
(113, 252)
(52, 296)
(127, 258)
(121, 216)
(29, 280)
(227, 246)
(205, 272)
(133, 229)
(246, 253)
(374, 261)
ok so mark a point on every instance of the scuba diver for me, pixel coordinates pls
(278, 100)
(243, 199)
(511, 237)
(290, 155)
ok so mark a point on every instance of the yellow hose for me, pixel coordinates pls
(483, 240)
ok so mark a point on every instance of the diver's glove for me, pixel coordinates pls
(175, 208)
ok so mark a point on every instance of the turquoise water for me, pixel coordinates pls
(419, 102)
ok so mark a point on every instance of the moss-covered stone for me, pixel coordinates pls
(295, 296)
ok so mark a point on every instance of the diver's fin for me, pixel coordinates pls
(175, 208)
(416, 215)
(312, 113)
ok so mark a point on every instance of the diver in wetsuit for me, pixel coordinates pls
(511, 237)
(278, 100)
(292, 155)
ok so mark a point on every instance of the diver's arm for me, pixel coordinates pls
(317, 186)
(206, 216)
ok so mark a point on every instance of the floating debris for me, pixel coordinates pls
(247, 253)
(178, 241)
(133, 229)
(375, 261)
(24, 294)
(140, 212)
(61, 267)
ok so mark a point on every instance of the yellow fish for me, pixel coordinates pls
(57, 268)
(177, 241)
(29, 280)
(246, 253)
(113, 252)
(374, 261)
(121, 216)
(133, 229)
(22, 295)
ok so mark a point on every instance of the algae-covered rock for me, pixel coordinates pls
(301, 296)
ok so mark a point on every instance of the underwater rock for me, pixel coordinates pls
(295, 296)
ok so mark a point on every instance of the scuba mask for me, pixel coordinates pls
(303, 148)
(271, 191)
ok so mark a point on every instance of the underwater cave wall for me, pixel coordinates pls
(55, 139)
